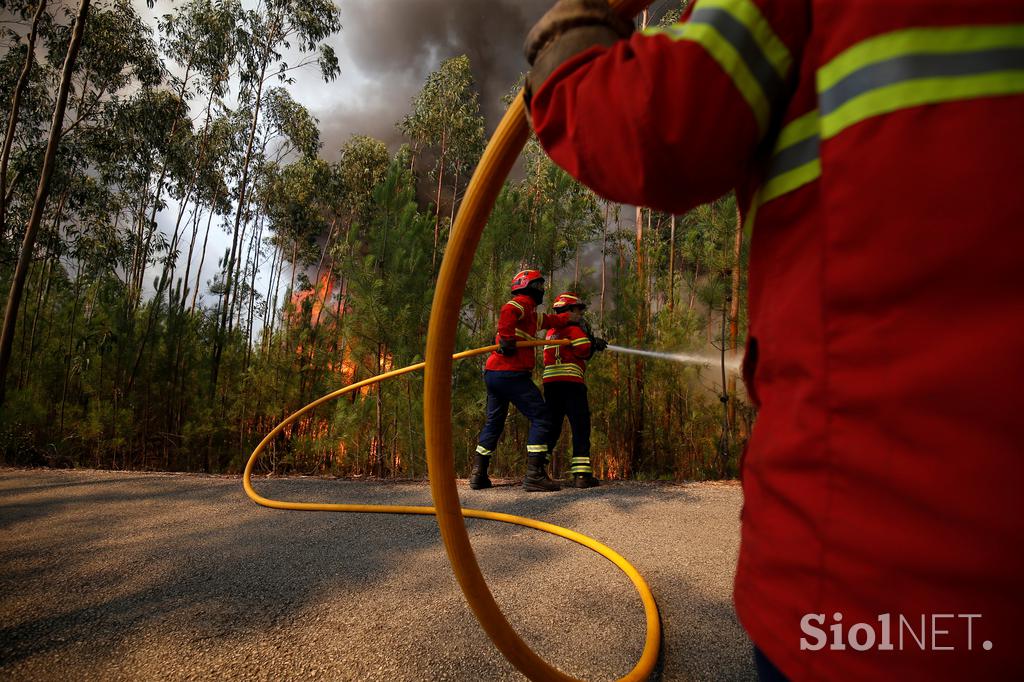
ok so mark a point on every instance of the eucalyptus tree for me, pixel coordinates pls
(28, 243)
(290, 129)
(446, 119)
(296, 212)
(363, 166)
(118, 60)
(39, 20)
(269, 31)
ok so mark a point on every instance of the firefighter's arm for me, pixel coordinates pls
(673, 117)
(594, 344)
(581, 345)
(556, 321)
(508, 317)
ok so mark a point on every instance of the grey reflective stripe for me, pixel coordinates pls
(794, 156)
(740, 38)
(795, 161)
(918, 66)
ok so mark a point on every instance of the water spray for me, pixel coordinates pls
(731, 363)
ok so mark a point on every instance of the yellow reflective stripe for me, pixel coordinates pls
(580, 465)
(580, 342)
(566, 365)
(522, 310)
(559, 370)
(923, 91)
(484, 451)
(775, 51)
(791, 180)
(729, 59)
(798, 130)
(536, 448)
(919, 66)
(795, 161)
(748, 222)
(523, 335)
(934, 40)
(738, 37)
(563, 370)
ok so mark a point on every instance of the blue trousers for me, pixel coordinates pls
(517, 388)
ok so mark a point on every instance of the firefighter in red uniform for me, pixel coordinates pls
(877, 150)
(508, 375)
(565, 390)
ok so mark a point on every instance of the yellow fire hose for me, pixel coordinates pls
(498, 158)
(650, 653)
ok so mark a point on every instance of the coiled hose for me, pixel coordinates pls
(490, 174)
(650, 654)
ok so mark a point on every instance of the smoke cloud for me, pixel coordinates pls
(388, 47)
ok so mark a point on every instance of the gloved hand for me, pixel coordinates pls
(568, 28)
(597, 344)
(507, 346)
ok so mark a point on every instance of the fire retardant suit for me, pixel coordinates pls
(878, 151)
(565, 392)
(509, 380)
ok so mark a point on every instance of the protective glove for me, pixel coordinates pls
(507, 346)
(597, 345)
(568, 28)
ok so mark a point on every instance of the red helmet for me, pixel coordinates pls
(527, 279)
(568, 300)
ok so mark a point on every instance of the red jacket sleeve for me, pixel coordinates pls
(508, 316)
(672, 118)
(581, 347)
(553, 321)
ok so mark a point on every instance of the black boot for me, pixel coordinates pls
(537, 479)
(584, 481)
(478, 476)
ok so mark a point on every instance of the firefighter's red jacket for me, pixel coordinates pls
(568, 362)
(877, 150)
(519, 319)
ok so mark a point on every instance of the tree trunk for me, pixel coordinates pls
(734, 312)
(49, 159)
(604, 248)
(202, 255)
(437, 201)
(187, 278)
(71, 349)
(218, 346)
(12, 120)
(43, 293)
(672, 265)
(734, 306)
(640, 248)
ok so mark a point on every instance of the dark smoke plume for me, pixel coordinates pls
(390, 46)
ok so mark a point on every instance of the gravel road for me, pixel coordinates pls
(127, 576)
